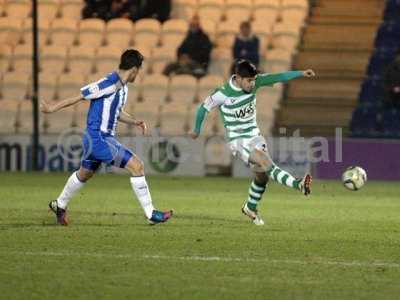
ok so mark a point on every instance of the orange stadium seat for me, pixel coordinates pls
(91, 32)
(63, 32)
(221, 60)
(183, 9)
(209, 27)
(237, 15)
(267, 15)
(271, 4)
(277, 60)
(149, 113)
(286, 36)
(173, 32)
(217, 152)
(48, 10)
(80, 115)
(226, 33)
(263, 31)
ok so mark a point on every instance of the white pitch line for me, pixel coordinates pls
(212, 258)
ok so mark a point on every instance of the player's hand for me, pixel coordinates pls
(142, 125)
(45, 107)
(308, 73)
(193, 135)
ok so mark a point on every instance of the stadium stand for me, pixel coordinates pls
(336, 44)
(79, 51)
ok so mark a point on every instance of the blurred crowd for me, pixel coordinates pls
(131, 9)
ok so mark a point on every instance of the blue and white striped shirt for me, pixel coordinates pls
(107, 98)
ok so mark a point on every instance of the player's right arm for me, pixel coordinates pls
(214, 100)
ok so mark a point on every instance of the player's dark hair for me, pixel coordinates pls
(130, 58)
(245, 68)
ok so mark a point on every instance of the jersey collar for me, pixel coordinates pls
(233, 86)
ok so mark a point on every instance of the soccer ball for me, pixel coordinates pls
(354, 178)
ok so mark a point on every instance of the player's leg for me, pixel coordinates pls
(261, 157)
(256, 191)
(141, 189)
(122, 157)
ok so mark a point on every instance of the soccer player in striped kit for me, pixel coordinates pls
(107, 99)
(236, 100)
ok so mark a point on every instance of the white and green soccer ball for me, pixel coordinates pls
(354, 178)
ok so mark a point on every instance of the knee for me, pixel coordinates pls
(261, 178)
(135, 166)
(84, 175)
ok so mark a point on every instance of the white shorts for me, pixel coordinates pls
(243, 147)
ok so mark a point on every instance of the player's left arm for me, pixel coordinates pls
(271, 79)
(127, 118)
(50, 107)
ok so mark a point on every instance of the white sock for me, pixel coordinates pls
(139, 186)
(71, 187)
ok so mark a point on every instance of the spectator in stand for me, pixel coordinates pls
(246, 45)
(184, 65)
(108, 10)
(392, 83)
(196, 44)
(156, 9)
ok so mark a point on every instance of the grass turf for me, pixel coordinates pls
(336, 244)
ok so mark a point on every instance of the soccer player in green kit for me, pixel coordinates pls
(236, 100)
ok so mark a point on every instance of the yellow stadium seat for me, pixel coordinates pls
(297, 4)
(261, 4)
(10, 31)
(148, 113)
(183, 9)
(24, 118)
(217, 152)
(91, 32)
(69, 85)
(53, 59)
(63, 32)
(80, 115)
(119, 32)
(60, 121)
(154, 89)
(174, 119)
(183, 89)
(207, 86)
(107, 59)
(80, 59)
(18, 9)
(147, 33)
(286, 36)
(263, 31)
(8, 116)
(47, 86)
(226, 34)
(173, 32)
(161, 57)
(221, 61)
(72, 9)
(295, 17)
(277, 60)
(48, 10)
(237, 15)
(22, 59)
(267, 15)
(210, 13)
(6, 55)
(211, 3)
(43, 25)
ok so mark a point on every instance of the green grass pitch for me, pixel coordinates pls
(335, 244)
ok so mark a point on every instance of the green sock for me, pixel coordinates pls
(256, 191)
(283, 177)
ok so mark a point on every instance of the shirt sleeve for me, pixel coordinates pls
(98, 89)
(214, 100)
(271, 79)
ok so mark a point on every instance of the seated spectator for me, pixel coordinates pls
(392, 83)
(108, 10)
(184, 65)
(246, 45)
(196, 44)
(156, 9)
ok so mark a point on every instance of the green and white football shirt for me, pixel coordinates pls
(238, 108)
